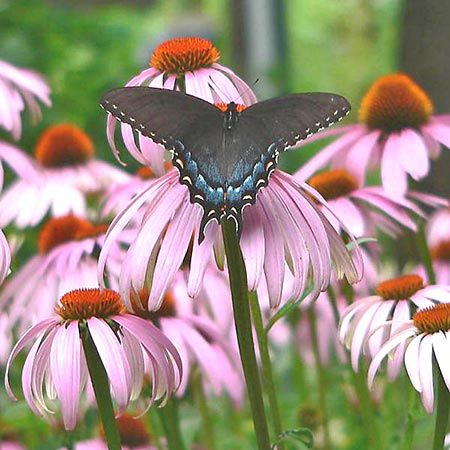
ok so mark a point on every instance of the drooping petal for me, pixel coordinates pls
(393, 175)
(426, 372)
(413, 154)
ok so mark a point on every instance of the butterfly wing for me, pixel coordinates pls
(293, 118)
(160, 114)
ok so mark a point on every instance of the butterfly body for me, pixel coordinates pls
(223, 157)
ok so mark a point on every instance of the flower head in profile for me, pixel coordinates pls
(398, 132)
(189, 64)
(20, 88)
(395, 301)
(65, 170)
(423, 339)
(67, 258)
(364, 209)
(57, 360)
(284, 230)
(199, 340)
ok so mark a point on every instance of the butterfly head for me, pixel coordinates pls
(231, 111)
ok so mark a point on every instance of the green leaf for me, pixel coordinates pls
(303, 436)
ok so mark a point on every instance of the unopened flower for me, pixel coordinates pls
(284, 225)
(199, 341)
(20, 87)
(65, 171)
(423, 339)
(398, 132)
(189, 64)
(67, 258)
(57, 360)
(395, 301)
(364, 209)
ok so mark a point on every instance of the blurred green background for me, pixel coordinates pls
(84, 48)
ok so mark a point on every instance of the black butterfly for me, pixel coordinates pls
(224, 158)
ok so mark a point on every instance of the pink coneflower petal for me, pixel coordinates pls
(426, 372)
(393, 176)
(413, 155)
(439, 131)
(323, 157)
(65, 367)
(114, 360)
(412, 362)
(360, 154)
(440, 347)
(385, 350)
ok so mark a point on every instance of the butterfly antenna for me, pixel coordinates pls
(245, 91)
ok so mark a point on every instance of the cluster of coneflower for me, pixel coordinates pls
(121, 303)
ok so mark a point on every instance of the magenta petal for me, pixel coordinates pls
(66, 372)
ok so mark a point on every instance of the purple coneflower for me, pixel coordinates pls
(438, 237)
(188, 64)
(421, 340)
(363, 209)
(395, 301)
(197, 338)
(398, 131)
(133, 432)
(67, 247)
(284, 225)
(19, 87)
(56, 359)
(65, 171)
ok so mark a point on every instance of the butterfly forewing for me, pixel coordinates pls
(295, 117)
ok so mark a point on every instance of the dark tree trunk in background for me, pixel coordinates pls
(425, 55)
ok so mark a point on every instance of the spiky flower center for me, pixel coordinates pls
(441, 251)
(224, 106)
(334, 183)
(186, 54)
(60, 230)
(400, 288)
(140, 305)
(433, 319)
(133, 431)
(395, 102)
(82, 304)
(63, 145)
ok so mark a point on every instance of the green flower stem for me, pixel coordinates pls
(242, 321)
(100, 383)
(321, 379)
(266, 364)
(170, 421)
(425, 255)
(208, 438)
(442, 411)
(408, 435)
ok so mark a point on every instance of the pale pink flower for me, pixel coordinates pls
(57, 361)
(199, 341)
(67, 258)
(5, 257)
(395, 301)
(423, 339)
(133, 436)
(328, 343)
(398, 133)
(65, 171)
(188, 64)
(363, 210)
(284, 225)
(20, 87)
(11, 445)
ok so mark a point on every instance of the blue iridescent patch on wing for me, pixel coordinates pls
(227, 201)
